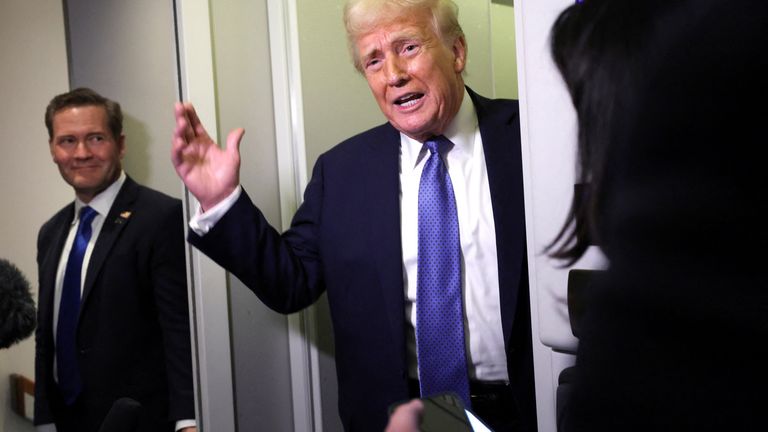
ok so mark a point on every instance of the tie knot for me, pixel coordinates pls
(87, 214)
(438, 144)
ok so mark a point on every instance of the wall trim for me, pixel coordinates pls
(292, 178)
(209, 294)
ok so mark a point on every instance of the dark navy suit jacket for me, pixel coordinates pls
(345, 240)
(133, 335)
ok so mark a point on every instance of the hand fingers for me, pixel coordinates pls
(194, 121)
(180, 135)
(177, 148)
(233, 140)
(183, 129)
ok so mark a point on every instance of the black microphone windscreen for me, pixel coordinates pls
(17, 308)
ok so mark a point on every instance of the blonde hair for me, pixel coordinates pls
(361, 16)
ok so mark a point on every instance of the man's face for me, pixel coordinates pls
(414, 77)
(83, 147)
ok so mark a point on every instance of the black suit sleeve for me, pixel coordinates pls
(43, 345)
(284, 271)
(168, 270)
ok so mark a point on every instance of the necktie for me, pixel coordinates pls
(439, 311)
(66, 349)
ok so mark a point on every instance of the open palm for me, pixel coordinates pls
(210, 172)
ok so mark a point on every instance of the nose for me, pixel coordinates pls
(397, 75)
(82, 150)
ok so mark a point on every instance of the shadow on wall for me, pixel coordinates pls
(137, 162)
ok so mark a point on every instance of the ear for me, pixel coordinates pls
(121, 145)
(50, 148)
(460, 54)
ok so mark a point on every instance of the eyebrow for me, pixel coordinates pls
(397, 38)
(370, 54)
(71, 135)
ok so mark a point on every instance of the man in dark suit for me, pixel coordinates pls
(356, 235)
(113, 315)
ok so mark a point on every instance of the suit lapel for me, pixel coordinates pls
(384, 168)
(51, 257)
(115, 222)
(500, 132)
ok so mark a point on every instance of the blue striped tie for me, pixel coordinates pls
(440, 339)
(68, 370)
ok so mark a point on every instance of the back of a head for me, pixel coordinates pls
(686, 169)
(676, 341)
(683, 74)
(599, 47)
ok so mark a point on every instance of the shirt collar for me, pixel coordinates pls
(460, 131)
(103, 201)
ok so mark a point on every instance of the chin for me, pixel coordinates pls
(410, 129)
(85, 185)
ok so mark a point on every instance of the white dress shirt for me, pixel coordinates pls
(480, 275)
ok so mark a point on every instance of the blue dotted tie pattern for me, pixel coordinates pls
(439, 311)
(68, 370)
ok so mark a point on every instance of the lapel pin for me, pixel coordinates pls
(123, 216)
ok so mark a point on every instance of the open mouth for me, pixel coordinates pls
(408, 100)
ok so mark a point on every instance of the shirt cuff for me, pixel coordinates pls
(201, 222)
(48, 427)
(181, 424)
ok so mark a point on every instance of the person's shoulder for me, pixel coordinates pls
(499, 106)
(162, 205)
(49, 227)
(63, 215)
(506, 104)
(384, 134)
(146, 193)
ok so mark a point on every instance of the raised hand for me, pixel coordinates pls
(211, 173)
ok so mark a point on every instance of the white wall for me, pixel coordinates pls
(135, 68)
(33, 68)
(503, 54)
(262, 379)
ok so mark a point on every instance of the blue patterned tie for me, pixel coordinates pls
(66, 349)
(439, 312)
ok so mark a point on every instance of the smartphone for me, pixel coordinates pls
(444, 412)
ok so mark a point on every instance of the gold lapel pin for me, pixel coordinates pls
(123, 216)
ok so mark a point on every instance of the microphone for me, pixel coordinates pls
(17, 309)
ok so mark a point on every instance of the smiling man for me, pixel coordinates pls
(414, 228)
(113, 341)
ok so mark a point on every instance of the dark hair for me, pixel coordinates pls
(597, 46)
(83, 96)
